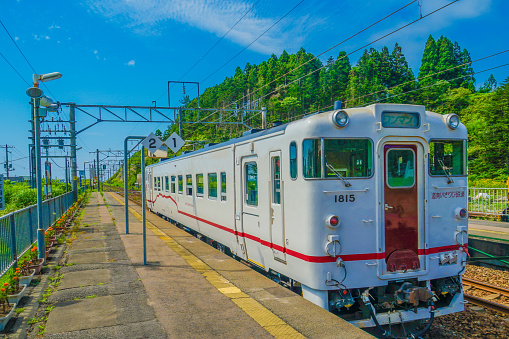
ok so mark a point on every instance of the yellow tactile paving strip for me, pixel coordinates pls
(268, 320)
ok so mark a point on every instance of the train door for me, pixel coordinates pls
(403, 181)
(277, 231)
(250, 212)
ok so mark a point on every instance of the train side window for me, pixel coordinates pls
(312, 158)
(293, 160)
(199, 185)
(447, 157)
(172, 184)
(155, 183)
(158, 183)
(189, 184)
(251, 184)
(276, 180)
(350, 158)
(166, 184)
(223, 186)
(181, 184)
(212, 186)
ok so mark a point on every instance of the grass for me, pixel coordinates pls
(36, 320)
(19, 310)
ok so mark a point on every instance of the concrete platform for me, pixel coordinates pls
(187, 290)
(488, 228)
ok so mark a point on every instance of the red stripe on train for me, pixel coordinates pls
(308, 258)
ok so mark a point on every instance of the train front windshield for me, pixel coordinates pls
(351, 158)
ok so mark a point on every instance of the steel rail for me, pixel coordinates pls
(487, 288)
(487, 303)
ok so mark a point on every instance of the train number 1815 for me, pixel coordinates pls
(344, 198)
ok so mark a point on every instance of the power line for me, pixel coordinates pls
(15, 70)
(211, 48)
(438, 83)
(268, 29)
(427, 76)
(358, 49)
(28, 62)
(329, 49)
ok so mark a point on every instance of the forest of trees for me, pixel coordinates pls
(293, 85)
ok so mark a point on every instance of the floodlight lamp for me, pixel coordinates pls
(46, 101)
(45, 77)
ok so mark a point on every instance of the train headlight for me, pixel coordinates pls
(453, 121)
(340, 118)
(333, 221)
(460, 213)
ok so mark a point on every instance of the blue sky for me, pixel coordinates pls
(123, 52)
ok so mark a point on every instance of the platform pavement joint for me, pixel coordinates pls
(100, 294)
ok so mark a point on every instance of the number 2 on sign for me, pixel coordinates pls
(152, 143)
(344, 198)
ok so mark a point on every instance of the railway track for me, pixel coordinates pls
(496, 293)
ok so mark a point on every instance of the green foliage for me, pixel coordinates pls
(293, 85)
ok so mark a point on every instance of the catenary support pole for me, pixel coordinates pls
(98, 172)
(74, 174)
(38, 179)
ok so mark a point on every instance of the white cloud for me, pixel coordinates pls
(16, 38)
(95, 51)
(54, 27)
(47, 37)
(148, 17)
(130, 63)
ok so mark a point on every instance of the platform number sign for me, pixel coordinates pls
(2, 201)
(152, 143)
(175, 142)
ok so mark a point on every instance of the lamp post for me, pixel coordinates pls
(37, 99)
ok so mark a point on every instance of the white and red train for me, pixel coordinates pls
(364, 207)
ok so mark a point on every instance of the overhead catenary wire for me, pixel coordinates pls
(329, 49)
(211, 48)
(252, 42)
(24, 57)
(15, 70)
(356, 50)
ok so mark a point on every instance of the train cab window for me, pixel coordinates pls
(189, 184)
(447, 157)
(212, 185)
(181, 184)
(223, 186)
(251, 184)
(350, 158)
(199, 185)
(293, 160)
(312, 158)
(166, 184)
(172, 184)
(400, 168)
(276, 180)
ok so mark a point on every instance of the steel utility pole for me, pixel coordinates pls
(7, 165)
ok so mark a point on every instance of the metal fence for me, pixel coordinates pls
(18, 230)
(488, 201)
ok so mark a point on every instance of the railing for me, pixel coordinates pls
(488, 201)
(18, 230)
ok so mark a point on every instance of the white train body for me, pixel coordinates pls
(394, 178)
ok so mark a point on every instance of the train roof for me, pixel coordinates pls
(248, 135)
